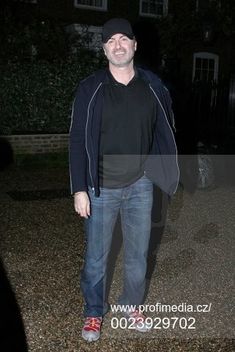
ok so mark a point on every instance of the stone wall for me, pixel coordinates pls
(38, 143)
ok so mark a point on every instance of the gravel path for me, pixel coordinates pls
(42, 245)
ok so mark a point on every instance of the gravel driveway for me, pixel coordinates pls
(190, 266)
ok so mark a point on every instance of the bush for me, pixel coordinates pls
(39, 69)
(36, 97)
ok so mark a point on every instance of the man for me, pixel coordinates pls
(120, 121)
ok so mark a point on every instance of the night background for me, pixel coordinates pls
(47, 48)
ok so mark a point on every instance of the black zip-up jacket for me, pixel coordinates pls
(161, 165)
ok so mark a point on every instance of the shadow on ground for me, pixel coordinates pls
(12, 334)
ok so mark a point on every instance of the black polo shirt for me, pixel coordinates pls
(128, 119)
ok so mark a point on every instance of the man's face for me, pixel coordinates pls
(120, 50)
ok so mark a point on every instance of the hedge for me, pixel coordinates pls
(36, 97)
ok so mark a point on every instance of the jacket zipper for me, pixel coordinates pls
(88, 116)
(164, 112)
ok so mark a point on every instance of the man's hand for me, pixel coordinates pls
(82, 204)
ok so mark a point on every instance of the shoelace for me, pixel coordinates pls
(137, 315)
(92, 323)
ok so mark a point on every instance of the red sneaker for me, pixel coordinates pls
(91, 328)
(139, 320)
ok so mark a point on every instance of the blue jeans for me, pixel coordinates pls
(135, 204)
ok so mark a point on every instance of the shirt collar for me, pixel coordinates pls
(112, 80)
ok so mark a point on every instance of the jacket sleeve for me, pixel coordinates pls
(77, 148)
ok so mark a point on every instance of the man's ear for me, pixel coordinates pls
(104, 50)
(135, 47)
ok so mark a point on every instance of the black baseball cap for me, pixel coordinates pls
(114, 26)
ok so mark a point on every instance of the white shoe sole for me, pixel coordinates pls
(89, 337)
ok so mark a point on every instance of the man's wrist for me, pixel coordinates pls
(79, 192)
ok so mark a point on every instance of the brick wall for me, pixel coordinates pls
(38, 143)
